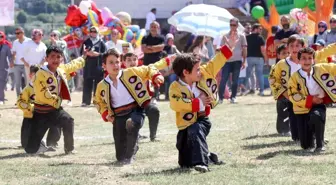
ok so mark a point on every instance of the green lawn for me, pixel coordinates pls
(243, 135)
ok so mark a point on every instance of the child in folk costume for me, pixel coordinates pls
(191, 97)
(282, 124)
(151, 111)
(25, 102)
(310, 88)
(51, 88)
(121, 99)
(282, 71)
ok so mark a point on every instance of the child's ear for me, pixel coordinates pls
(185, 72)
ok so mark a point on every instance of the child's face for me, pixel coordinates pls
(131, 61)
(112, 65)
(194, 75)
(294, 48)
(306, 61)
(54, 60)
(318, 47)
(125, 49)
(283, 54)
(31, 75)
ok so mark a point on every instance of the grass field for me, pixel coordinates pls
(243, 135)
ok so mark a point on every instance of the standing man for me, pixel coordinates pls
(5, 56)
(152, 45)
(283, 34)
(93, 70)
(34, 51)
(237, 41)
(16, 63)
(256, 56)
(150, 17)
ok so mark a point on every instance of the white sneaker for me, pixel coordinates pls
(153, 101)
(2, 102)
(220, 101)
(69, 103)
(233, 100)
(42, 149)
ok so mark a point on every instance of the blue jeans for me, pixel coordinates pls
(169, 79)
(234, 68)
(258, 63)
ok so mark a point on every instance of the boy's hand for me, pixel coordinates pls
(317, 100)
(285, 94)
(159, 80)
(172, 58)
(206, 100)
(110, 119)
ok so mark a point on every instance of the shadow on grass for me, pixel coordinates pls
(263, 136)
(99, 144)
(116, 164)
(301, 153)
(21, 155)
(268, 145)
(10, 148)
(173, 171)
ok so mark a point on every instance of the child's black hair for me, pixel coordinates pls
(55, 49)
(33, 69)
(280, 48)
(306, 50)
(129, 54)
(112, 51)
(164, 54)
(185, 61)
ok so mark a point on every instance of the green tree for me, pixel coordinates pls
(45, 18)
(22, 17)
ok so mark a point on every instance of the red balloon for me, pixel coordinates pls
(74, 17)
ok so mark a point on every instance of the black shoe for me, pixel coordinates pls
(155, 140)
(214, 159)
(72, 152)
(84, 105)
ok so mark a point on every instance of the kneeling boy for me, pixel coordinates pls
(191, 97)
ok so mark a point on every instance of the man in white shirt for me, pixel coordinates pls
(16, 63)
(150, 17)
(117, 43)
(34, 50)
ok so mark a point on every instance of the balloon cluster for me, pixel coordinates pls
(80, 19)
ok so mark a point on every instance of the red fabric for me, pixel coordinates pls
(105, 74)
(65, 94)
(226, 51)
(4, 41)
(73, 74)
(153, 79)
(151, 93)
(168, 61)
(270, 47)
(329, 60)
(98, 12)
(207, 110)
(104, 115)
(72, 41)
(327, 100)
(309, 102)
(195, 104)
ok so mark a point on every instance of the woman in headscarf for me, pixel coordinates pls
(93, 70)
(322, 33)
(55, 40)
(5, 58)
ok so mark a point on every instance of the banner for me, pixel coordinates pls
(6, 12)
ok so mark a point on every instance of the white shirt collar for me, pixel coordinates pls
(185, 84)
(305, 74)
(108, 79)
(45, 67)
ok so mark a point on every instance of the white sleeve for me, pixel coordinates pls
(14, 47)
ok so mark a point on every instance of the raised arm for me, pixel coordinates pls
(218, 61)
(322, 55)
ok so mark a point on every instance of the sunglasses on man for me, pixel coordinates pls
(18, 33)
